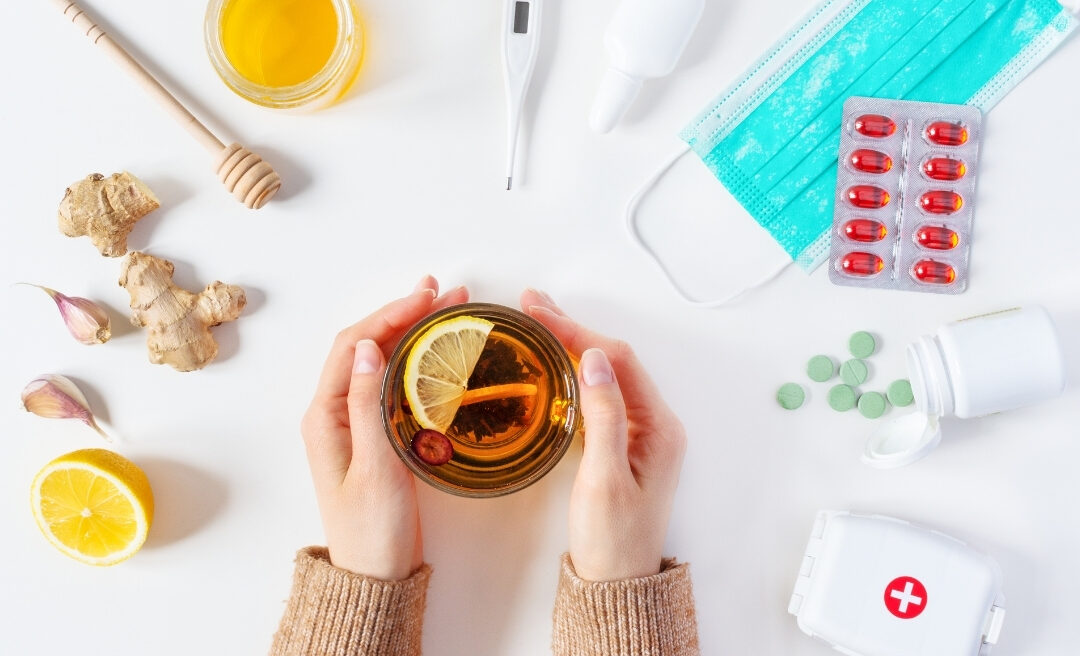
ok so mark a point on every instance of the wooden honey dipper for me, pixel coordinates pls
(250, 180)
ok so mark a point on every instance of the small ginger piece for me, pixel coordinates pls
(106, 209)
(178, 322)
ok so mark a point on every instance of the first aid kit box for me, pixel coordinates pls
(876, 586)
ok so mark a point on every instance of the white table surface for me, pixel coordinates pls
(405, 178)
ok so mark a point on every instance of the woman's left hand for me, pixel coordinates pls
(366, 495)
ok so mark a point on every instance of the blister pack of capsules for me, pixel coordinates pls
(904, 193)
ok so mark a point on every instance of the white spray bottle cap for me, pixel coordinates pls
(617, 92)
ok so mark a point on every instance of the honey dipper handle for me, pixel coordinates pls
(98, 37)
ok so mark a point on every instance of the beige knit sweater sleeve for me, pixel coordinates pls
(651, 615)
(334, 612)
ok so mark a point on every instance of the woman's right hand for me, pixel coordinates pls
(634, 445)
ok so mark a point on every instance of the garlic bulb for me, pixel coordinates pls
(85, 320)
(56, 397)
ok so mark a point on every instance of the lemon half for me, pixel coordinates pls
(93, 505)
(438, 368)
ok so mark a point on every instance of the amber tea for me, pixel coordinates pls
(506, 426)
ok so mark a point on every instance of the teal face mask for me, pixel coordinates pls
(772, 137)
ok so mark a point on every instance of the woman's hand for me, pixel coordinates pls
(634, 446)
(366, 494)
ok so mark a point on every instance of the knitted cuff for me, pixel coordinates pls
(651, 615)
(334, 612)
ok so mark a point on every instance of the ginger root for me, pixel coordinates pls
(178, 322)
(105, 209)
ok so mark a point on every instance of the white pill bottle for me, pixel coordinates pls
(988, 363)
(973, 367)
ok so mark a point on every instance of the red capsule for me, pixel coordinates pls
(938, 238)
(868, 196)
(432, 447)
(932, 272)
(875, 125)
(870, 161)
(941, 202)
(945, 133)
(865, 230)
(944, 168)
(861, 264)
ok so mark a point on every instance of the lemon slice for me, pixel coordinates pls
(438, 368)
(94, 505)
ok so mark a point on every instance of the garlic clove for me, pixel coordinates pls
(55, 397)
(87, 322)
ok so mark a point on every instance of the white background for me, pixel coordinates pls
(405, 178)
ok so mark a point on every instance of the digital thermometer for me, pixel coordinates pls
(521, 42)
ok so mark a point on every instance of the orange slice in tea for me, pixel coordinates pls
(438, 368)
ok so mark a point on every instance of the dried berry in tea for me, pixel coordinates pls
(432, 447)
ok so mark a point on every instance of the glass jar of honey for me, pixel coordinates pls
(285, 53)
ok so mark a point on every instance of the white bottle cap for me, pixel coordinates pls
(903, 440)
(617, 92)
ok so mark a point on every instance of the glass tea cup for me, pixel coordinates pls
(516, 419)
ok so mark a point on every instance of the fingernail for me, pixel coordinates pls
(540, 309)
(428, 283)
(595, 368)
(368, 357)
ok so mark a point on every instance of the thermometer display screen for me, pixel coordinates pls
(521, 17)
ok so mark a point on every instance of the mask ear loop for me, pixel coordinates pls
(635, 235)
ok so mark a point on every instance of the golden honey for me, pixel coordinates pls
(285, 53)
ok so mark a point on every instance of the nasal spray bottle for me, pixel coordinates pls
(644, 40)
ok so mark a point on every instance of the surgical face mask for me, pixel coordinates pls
(772, 137)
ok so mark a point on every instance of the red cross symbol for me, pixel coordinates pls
(905, 597)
